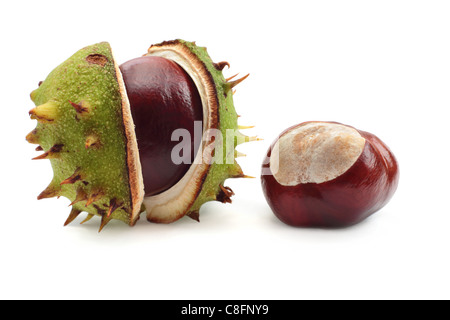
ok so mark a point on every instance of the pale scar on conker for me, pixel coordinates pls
(106, 130)
(328, 175)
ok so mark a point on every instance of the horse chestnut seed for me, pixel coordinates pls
(163, 98)
(329, 175)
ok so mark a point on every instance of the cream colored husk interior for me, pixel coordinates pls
(134, 165)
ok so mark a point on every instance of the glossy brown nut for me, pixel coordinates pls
(163, 98)
(341, 199)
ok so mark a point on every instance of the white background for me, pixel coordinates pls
(381, 66)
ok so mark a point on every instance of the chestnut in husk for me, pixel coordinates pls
(112, 134)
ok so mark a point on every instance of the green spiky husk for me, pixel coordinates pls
(103, 165)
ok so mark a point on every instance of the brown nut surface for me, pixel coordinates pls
(326, 174)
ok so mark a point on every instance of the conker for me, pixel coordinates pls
(163, 98)
(327, 174)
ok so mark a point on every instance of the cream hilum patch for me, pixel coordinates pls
(315, 152)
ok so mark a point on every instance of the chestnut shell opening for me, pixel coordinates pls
(176, 202)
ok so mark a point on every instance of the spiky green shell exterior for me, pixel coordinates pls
(79, 110)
